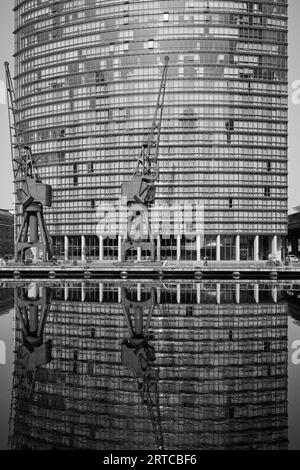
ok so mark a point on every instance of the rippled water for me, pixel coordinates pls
(146, 366)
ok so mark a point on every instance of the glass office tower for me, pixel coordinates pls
(87, 72)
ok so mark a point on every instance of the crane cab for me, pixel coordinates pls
(140, 189)
(36, 192)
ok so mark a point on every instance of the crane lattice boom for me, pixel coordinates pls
(141, 188)
(148, 160)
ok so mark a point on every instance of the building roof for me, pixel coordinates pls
(294, 221)
(6, 216)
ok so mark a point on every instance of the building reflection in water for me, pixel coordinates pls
(6, 300)
(176, 366)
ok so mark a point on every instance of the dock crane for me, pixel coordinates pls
(31, 193)
(32, 306)
(139, 356)
(140, 190)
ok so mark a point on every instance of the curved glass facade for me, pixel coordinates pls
(87, 72)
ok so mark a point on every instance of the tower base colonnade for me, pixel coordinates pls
(180, 248)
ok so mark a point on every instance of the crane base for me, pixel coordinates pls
(129, 245)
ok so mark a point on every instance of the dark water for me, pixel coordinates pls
(148, 366)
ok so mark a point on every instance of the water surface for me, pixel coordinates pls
(121, 365)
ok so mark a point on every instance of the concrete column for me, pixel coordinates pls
(139, 292)
(178, 247)
(158, 291)
(218, 293)
(158, 246)
(256, 248)
(280, 248)
(66, 292)
(256, 293)
(218, 250)
(274, 295)
(237, 293)
(119, 247)
(33, 291)
(198, 248)
(41, 290)
(82, 293)
(178, 293)
(274, 246)
(83, 245)
(139, 253)
(237, 247)
(66, 248)
(101, 292)
(101, 248)
(119, 295)
(35, 252)
(198, 293)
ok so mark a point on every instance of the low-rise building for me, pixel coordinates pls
(6, 233)
(294, 234)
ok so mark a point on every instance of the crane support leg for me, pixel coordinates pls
(46, 240)
(138, 231)
(33, 234)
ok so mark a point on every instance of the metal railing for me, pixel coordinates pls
(168, 264)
